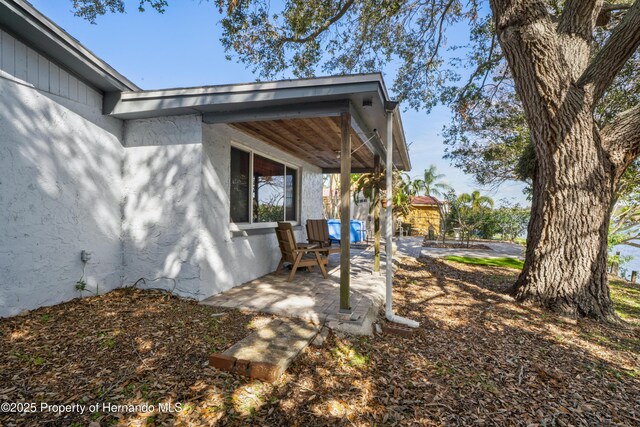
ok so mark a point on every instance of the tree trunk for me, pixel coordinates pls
(565, 268)
(577, 165)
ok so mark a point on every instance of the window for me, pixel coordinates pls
(262, 190)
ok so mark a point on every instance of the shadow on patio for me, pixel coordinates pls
(310, 296)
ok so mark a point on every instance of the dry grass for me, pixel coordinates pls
(478, 358)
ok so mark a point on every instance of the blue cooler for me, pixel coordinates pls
(358, 230)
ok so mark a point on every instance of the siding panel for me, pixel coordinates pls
(8, 53)
(21, 61)
(26, 65)
(32, 67)
(43, 73)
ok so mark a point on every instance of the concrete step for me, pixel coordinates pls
(267, 353)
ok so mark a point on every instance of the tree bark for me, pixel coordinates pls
(577, 166)
(565, 266)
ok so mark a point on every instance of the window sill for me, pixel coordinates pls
(248, 230)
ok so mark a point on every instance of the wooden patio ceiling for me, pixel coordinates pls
(316, 140)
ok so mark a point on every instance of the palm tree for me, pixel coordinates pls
(469, 211)
(431, 183)
(475, 201)
(403, 190)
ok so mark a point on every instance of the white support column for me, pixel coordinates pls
(388, 229)
(388, 220)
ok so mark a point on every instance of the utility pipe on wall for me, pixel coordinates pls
(388, 226)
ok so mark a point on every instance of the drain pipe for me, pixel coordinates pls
(390, 107)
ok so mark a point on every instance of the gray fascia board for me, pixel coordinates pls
(402, 145)
(36, 30)
(216, 98)
(315, 82)
(279, 112)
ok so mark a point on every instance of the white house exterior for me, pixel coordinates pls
(142, 179)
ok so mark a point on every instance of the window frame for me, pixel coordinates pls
(254, 225)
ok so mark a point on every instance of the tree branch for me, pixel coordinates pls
(623, 42)
(322, 28)
(622, 137)
(579, 17)
(609, 7)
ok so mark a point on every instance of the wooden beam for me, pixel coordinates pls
(345, 211)
(376, 214)
(353, 170)
(374, 143)
(358, 158)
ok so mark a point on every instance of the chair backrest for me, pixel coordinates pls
(286, 241)
(318, 231)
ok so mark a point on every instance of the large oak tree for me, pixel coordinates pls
(549, 55)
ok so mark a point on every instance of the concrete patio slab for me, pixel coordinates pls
(312, 298)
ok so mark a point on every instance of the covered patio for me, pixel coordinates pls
(343, 124)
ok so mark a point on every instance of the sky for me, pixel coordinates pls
(182, 48)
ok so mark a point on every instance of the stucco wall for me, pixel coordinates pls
(229, 261)
(161, 207)
(148, 198)
(60, 192)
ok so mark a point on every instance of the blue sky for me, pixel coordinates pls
(181, 48)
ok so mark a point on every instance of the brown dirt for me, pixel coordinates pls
(477, 359)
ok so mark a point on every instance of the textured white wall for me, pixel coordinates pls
(161, 207)
(229, 261)
(148, 198)
(60, 192)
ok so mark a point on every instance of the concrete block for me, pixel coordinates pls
(242, 367)
(397, 329)
(265, 371)
(222, 362)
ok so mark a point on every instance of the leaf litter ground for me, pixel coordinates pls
(477, 359)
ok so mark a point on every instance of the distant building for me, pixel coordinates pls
(424, 216)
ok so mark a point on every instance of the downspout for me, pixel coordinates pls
(390, 107)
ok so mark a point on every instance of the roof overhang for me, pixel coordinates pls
(40, 33)
(364, 96)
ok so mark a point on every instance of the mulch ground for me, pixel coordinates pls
(477, 359)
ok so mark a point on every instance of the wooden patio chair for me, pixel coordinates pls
(318, 233)
(298, 255)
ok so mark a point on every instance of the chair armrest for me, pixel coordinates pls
(307, 245)
(315, 250)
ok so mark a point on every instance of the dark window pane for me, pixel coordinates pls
(239, 197)
(268, 190)
(291, 195)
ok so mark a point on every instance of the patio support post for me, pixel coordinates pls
(388, 220)
(376, 213)
(345, 211)
(390, 108)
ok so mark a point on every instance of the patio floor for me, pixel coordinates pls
(311, 297)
